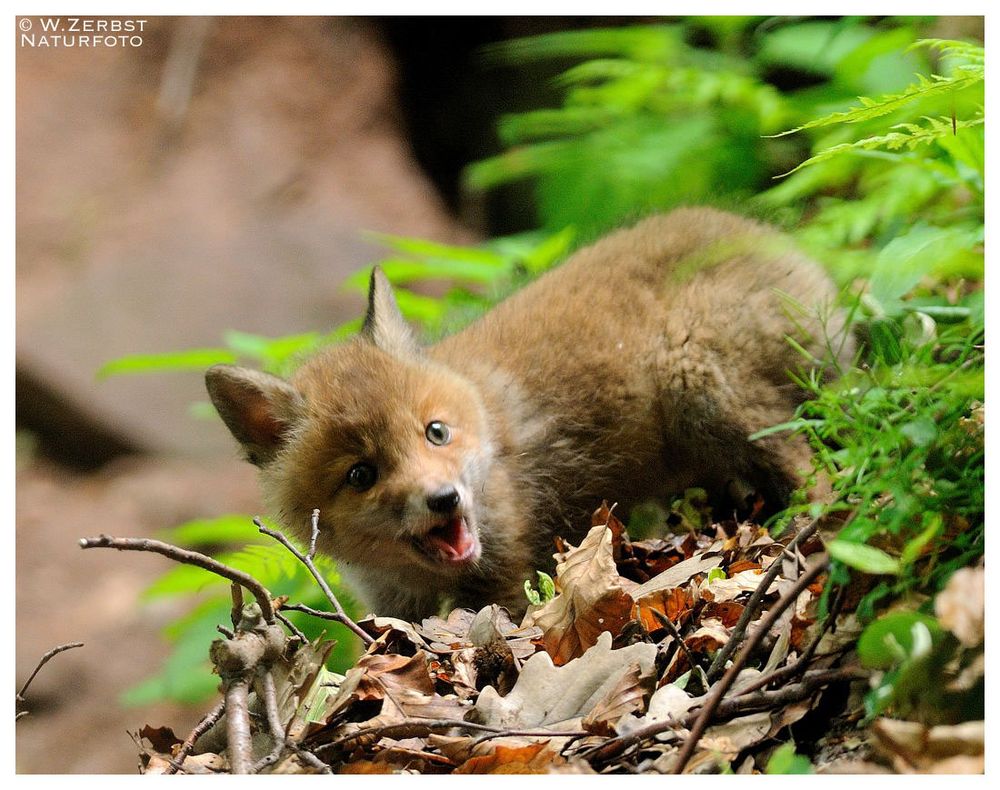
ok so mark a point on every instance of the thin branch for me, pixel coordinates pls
(292, 627)
(41, 663)
(803, 661)
(756, 601)
(236, 613)
(200, 729)
(315, 533)
(309, 758)
(730, 708)
(238, 743)
(418, 728)
(786, 695)
(672, 629)
(269, 696)
(189, 558)
(720, 688)
(340, 615)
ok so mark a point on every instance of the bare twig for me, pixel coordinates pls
(200, 729)
(672, 629)
(727, 709)
(309, 758)
(314, 534)
(236, 613)
(307, 559)
(190, 558)
(802, 662)
(238, 744)
(41, 663)
(292, 627)
(269, 696)
(720, 688)
(756, 601)
(419, 728)
(794, 692)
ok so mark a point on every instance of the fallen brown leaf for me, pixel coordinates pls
(592, 600)
(536, 758)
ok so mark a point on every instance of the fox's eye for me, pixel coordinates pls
(438, 433)
(362, 476)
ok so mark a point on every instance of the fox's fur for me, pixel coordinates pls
(633, 371)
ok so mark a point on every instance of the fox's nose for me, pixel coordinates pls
(444, 500)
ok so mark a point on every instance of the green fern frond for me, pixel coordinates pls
(973, 54)
(923, 88)
(911, 136)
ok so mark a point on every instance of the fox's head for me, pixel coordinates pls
(390, 446)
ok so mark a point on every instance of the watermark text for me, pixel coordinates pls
(55, 32)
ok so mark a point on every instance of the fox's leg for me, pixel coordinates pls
(710, 412)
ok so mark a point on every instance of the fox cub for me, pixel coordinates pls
(633, 371)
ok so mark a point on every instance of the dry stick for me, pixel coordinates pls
(269, 695)
(418, 728)
(41, 663)
(720, 688)
(307, 560)
(270, 698)
(309, 758)
(238, 743)
(303, 639)
(755, 602)
(802, 662)
(729, 708)
(236, 613)
(190, 558)
(200, 729)
(786, 695)
(672, 629)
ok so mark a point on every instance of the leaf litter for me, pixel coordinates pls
(609, 676)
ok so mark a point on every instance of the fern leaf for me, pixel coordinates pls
(973, 54)
(910, 137)
(923, 88)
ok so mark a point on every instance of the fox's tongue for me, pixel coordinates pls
(453, 539)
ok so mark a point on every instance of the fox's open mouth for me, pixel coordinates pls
(450, 541)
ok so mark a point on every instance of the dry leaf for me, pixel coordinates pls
(682, 572)
(734, 736)
(676, 604)
(628, 696)
(719, 590)
(554, 697)
(536, 758)
(591, 602)
(668, 702)
(961, 605)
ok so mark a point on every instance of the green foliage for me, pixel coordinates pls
(784, 760)
(901, 436)
(546, 589)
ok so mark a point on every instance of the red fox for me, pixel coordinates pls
(635, 370)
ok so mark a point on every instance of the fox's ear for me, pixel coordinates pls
(384, 325)
(258, 408)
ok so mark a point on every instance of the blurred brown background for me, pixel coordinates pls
(216, 177)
